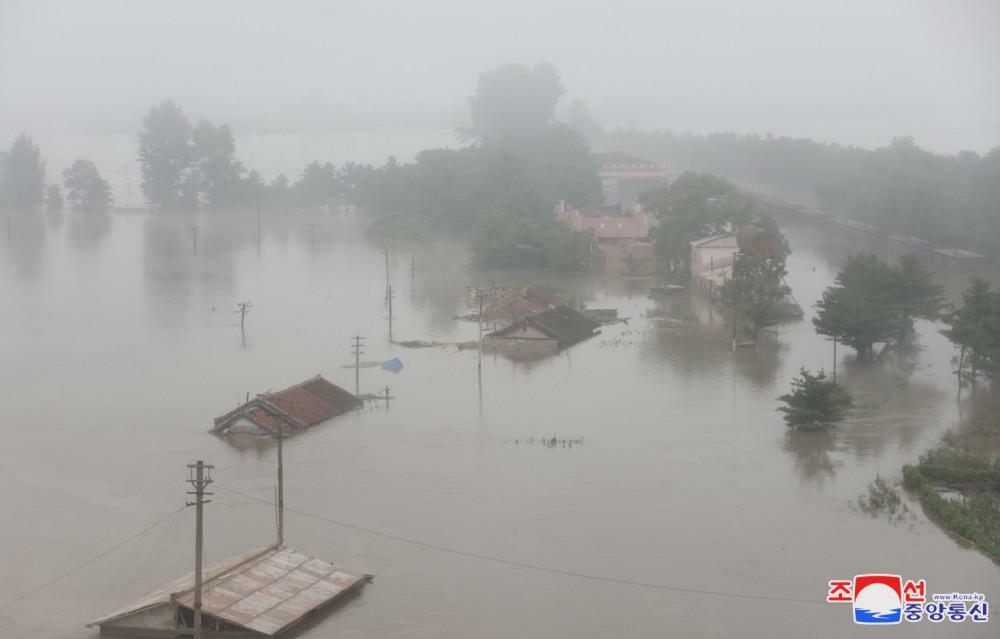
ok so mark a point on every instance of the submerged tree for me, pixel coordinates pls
(219, 175)
(514, 104)
(754, 294)
(914, 294)
(814, 403)
(22, 175)
(86, 190)
(974, 328)
(858, 309)
(165, 157)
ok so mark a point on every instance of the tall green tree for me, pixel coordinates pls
(815, 403)
(513, 103)
(693, 206)
(753, 296)
(219, 174)
(166, 158)
(859, 308)
(974, 328)
(86, 190)
(23, 175)
(914, 294)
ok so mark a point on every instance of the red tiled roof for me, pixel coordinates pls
(299, 406)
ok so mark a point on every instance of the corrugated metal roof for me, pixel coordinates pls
(265, 591)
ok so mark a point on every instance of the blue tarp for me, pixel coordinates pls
(393, 365)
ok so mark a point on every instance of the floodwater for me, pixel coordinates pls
(119, 344)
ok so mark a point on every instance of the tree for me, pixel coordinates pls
(318, 186)
(219, 174)
(693, 206)
(753, 295)
(86, 190)
(23, 174)
(513, 103)
(858, 309)
(815, 403)
(914, 294)
(165, 157)
(53, 199)
(974, 328)
(579, 119)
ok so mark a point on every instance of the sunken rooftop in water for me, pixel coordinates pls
(287, 411)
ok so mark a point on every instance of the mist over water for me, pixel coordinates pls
(120, 343)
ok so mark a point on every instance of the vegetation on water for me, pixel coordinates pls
(950, 199)
(814, 403)
(883, 499)
(871, 302)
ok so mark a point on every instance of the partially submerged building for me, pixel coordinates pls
(619, 238)
(287, 411)
(625, 177)
(543, 333)
(516, 304)
(265, 593)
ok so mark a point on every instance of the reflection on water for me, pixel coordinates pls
(121, 345)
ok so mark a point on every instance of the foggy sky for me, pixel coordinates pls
(855, 72)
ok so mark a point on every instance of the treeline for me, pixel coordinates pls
(952, 199)
(23, 187)
(502, 188)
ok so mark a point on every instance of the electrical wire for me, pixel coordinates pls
(90, 561)
(530, 566)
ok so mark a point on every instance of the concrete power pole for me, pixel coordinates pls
(243, 309)
(389, 297)
(357, 351)
(201, 477)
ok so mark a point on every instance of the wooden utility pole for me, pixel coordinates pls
(357, 350)
(386, 252)
(389, 297)
(243, 308)
(387, 398)
(201, 476)
(194, 240)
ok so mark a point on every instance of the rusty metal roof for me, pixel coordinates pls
(265, 591)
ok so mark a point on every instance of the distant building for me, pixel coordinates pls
(287, 411)
(620, 240)
(264, 593)
(713, 253)
(606, 222)
(543, 333)
(625, 177)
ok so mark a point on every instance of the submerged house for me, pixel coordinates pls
(287, 411)
(625, 177)
(265, 593)
(619, 238)
(517, 304)
(543, 333)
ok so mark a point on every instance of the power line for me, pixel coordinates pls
(530, 566)
(90, 561)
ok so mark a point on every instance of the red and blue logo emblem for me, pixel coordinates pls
(878, 599)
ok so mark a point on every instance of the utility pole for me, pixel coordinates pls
(357, 350)
(258, 220)
(200, 477)
(835, 360)
(387, 287)
(281, 488)
(389, 297)
(194, 240)
(312, 239)
(243, 309)
(387, 398)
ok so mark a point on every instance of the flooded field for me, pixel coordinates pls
(683, 507)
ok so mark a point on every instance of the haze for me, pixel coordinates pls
(856, 73)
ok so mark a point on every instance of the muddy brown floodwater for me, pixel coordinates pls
(119, 344)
